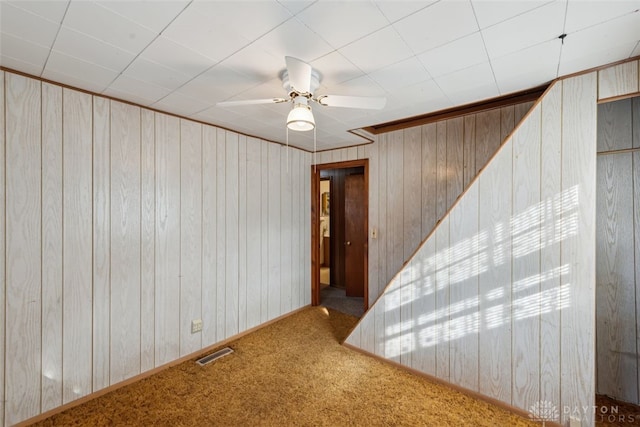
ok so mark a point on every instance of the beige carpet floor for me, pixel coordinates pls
(293, 372)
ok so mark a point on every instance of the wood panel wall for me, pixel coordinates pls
(416, 175)
(617, 250)
(123, 225)
(500, 298)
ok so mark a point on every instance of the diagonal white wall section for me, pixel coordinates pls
(499, 299)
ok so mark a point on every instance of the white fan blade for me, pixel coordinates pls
(251, 102)
(299, 74)
(369, 103)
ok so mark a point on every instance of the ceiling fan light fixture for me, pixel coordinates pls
(300, 117)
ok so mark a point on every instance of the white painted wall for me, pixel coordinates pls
(123, 225)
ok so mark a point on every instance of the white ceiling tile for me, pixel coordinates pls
(127, 96)
(26, 25)
(19, 65)
(293, 38)
(600, 44)
(490, 12)
(469, 85)
(269, 89)
(156, 74)
(23, 51)
(636, 51)
(535, 66)
(217, 115)
(140, 89)
(413, 100)
(170, 54)
(360, 86)
(73, 80)
(80, 45)
(437, 24)
(539, 25)
(155, 15)
(296, 6)
(52, 10)
(454, 56)
(395, 10)
(582, 14)
(218, 29)
(340, 23)
(334, 68)
(103, 24)
(180, 104)
(378, 50)
(401, 74)
(217, 84)
(255, 63)
(92, 76)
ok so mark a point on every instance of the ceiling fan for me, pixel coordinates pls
(300, 81)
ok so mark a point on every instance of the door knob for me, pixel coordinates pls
(347, 243)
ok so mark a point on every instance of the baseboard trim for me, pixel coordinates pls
(146, 374)
(474, 394)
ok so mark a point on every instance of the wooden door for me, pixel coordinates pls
(355, 234)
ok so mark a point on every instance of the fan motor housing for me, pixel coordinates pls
(315, 83)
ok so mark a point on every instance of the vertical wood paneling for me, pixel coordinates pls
(469, 150)
(296, 225)
(635, 119)
(441, 167)
(51, 246)
(286, 232)
(407, 326)
(615, 125)
(383, 277)
(429, 178)
(487, 136)
(209, 237)
(424, 307)
(242, 233)
(125, 241)
(275, 223)
(618, 80)
(615, 293)
(3, 286)
(190, 234)
(167, 304)
(507, 120)
(519, 110)
(578, 177)
(412, 188)
(307, 228)
(636, 222)
(101, 241)
(254, 225)
(550, 237)
(495, 278)
(392, 319)
(231, 226)
(463, 290)
(221, 232)
(395, 202)
(443, 303)
(264, 233)
(147, 245)
(525, 256)
(77, 245)
(23, 248)
(374, 243)
(454, 168)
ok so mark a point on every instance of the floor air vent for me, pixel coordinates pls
(214, 356)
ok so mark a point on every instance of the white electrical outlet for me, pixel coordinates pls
(196, 326)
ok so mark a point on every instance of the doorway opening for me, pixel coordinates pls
(339, 244)
(618, 261)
